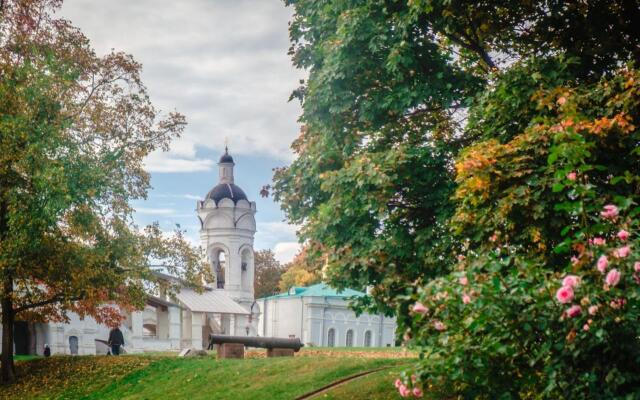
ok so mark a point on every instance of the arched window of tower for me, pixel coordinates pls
(246, 280)
(218, 262)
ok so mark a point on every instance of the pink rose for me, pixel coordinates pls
(610, 212)
(603, 263)
(636, 266)
(574, 311)
(593, 310)
(493, 238)
(439, 326)
(571, 176)
(420, 308)
(571, 281)
(404, 391)
(623, 235)
(617, 303)
(414, 378)
(613, 277)
(398, 383)
(565, 294)
(597, 241)
(622, 252)
(466, 299)
(417, 392)
(585, 327)
(463, 281)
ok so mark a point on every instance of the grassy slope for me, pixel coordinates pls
(147, 377)
(377, 386)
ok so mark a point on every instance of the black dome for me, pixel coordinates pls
(226, 158)
(226, 190)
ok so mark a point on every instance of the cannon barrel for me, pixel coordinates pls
(257, 341)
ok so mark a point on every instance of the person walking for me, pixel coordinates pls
(116, 339)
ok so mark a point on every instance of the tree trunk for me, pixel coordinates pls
(7, 372)
(33, 338)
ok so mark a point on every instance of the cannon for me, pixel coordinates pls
(233, 346)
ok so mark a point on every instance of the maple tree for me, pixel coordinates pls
(268, 273)
(300, 272)
(75, 128)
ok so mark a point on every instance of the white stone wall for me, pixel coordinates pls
(313, 317)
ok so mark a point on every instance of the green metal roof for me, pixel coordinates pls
(317, 290)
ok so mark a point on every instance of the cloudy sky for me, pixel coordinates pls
(224, 65)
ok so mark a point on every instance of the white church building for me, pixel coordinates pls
(316, 314)
(321, 316)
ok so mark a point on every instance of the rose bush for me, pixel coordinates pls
(544, 302)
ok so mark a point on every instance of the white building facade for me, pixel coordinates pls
(320, 316)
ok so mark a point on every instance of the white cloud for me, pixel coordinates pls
(187, 196)
(155, 211)
(223, 64)
(162, 162)
(271, 233)
(285, 251)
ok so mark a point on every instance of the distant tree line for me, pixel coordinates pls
(273, 277)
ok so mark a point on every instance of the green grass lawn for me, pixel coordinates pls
(169, 377)
(377, 386)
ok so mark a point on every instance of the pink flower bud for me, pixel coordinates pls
(571, 176)
(420, 308)
(466, 299)
(636, 266)
(398, 383)
(622, 252)
(417, 392)
(463, 281)
(593, 310)
(613, 277)
(623, 235)
(439, 326)
(571, 281)
(603, 263)
(574, 311)
(610, 212)
(585, 327)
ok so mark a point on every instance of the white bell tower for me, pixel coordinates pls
(228, 227)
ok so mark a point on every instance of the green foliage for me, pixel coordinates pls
(434, 130)
(300, 272)
(533, 210)
(267, 274)
(74, 130)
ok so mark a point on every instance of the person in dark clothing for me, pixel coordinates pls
(47, 350)
(115, 341)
